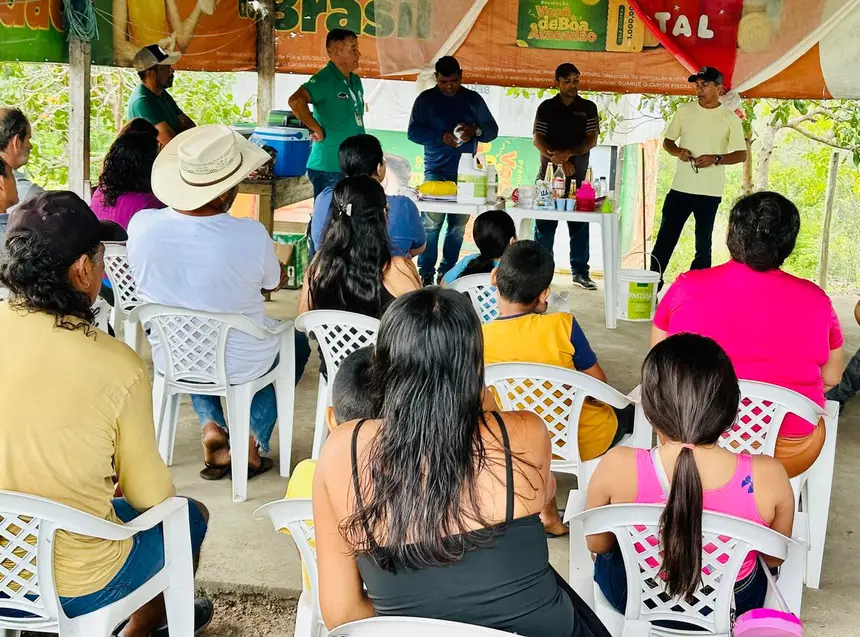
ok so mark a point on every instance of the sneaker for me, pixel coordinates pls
(584, 281)
(203, 611)
(426, 280)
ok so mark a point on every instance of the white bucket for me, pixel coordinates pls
(637, 294)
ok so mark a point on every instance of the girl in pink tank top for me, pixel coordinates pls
(690, 395)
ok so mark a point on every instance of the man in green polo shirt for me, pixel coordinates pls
(338, 99)
(150, 100)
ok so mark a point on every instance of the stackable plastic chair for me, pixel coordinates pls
(103, 312)
(124, 293)
(194, 344)
(339, 334)
(412, 627)
(483, 294)
(296, 516)
(28, 525)
(557, 395)
(761, 412)
(726, 541)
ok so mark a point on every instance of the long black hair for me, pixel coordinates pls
(493, 232)
(763, 229)
(128, 163)
(690, 394)
(347, 273)
(39, 282)
(428, 378)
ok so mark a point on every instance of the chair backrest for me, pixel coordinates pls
(726, 541)
(555, 394)
(296, 516)
(27, 528)
(412, 627)
(102, 312)
(338, 333)
(483, 294)
(194, 343)
(120, 277)
(762, 409)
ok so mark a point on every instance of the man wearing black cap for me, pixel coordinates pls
(705, 136)
(150, 100)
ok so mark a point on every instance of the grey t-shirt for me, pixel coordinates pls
(26, 189)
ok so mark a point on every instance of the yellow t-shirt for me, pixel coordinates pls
(301, 485)
(72, 409)
(546, 339)
(704, 131)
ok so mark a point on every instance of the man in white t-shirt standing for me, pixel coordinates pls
(706, 137)
(194, 255)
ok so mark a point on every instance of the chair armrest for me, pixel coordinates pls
(158, 514)
(281, 327)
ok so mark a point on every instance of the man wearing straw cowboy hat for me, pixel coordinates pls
(193, 254)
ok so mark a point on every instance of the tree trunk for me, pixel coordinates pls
(829, 199)
(747, 184)
(766, 144)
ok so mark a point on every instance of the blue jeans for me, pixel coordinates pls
(264, 409)
(611, 578)
(144, 561)
(451, 248)
(578, 235)
(320, 180)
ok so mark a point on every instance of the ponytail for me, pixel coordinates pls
(494, 230)
(681, 529)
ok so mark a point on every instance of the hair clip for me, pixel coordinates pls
(347, 210)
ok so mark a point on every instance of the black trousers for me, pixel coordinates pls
(676, 210)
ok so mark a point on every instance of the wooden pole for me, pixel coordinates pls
(645, 264)
(265, 60)
(829, 200)
(79, 117)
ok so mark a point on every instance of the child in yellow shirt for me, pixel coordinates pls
(525, 333)
(350, 401)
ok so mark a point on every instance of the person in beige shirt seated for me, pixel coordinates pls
(76, 408)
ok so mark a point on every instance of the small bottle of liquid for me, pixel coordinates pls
(589, 176)
(558, 183)
(603, 188)
(492, 184)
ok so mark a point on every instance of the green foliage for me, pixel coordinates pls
(42, 92)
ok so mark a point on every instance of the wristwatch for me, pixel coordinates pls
(718, 160)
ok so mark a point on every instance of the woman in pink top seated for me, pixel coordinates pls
(775, 327)
(690, 395)
(124, 188)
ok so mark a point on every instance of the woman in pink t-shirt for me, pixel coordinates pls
(124, 189)
(775, 327)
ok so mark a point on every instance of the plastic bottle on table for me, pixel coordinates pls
(558, 183)
(492, 184)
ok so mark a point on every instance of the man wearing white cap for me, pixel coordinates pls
(150, 100)
(193, 254)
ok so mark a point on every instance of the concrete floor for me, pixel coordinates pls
(254, 573)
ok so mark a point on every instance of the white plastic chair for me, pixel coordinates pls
(124, 293)
(557, 395)
(761, 412)
(296, 516)
(483, 294)
(102, 311)
(27, 528)
(726, 541)
(339, 334)
(194, 344)
(412, 627)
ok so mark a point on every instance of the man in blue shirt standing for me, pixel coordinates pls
(435, 115)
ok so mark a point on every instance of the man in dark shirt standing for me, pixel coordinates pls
(437, 112)
(566, 129)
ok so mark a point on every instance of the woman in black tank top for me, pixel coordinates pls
(413, 506)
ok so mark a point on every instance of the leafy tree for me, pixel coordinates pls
(42, 92)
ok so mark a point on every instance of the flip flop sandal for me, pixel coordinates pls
(265, 465)
(215, 472)
(551, 536)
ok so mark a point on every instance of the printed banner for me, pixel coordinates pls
(769, 48)
(579, 25)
